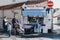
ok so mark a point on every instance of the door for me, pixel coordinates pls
(39, 27)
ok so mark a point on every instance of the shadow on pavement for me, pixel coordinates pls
(48, 35)
(41, 35)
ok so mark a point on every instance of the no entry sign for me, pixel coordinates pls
(50, 3)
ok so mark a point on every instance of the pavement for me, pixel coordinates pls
(50, 36)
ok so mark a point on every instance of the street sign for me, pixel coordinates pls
(50, 3)
(34, 12)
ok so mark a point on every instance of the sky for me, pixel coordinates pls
(56, 3)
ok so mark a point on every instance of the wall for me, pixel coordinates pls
(6, 2)
(9, 14)
(1, 18)
(48, 20)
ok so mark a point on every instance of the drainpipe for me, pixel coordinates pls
(2, 13)
(2, 16)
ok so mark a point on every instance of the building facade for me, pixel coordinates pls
(56, 20)
(8, 10)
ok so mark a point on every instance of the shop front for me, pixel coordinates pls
(35, 19)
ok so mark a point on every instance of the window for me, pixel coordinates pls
(58, 19)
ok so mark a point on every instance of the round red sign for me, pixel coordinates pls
(50, 3)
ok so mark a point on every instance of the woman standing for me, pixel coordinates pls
(5, 22)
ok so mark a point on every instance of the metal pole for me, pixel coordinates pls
(52, 18)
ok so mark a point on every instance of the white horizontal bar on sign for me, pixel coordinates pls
(33, 7)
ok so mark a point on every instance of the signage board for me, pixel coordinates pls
(34, 12)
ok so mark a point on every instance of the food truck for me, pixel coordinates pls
(36, 19)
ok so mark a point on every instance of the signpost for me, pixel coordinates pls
(50, 6)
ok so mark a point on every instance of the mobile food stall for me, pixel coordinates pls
(30, 15)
